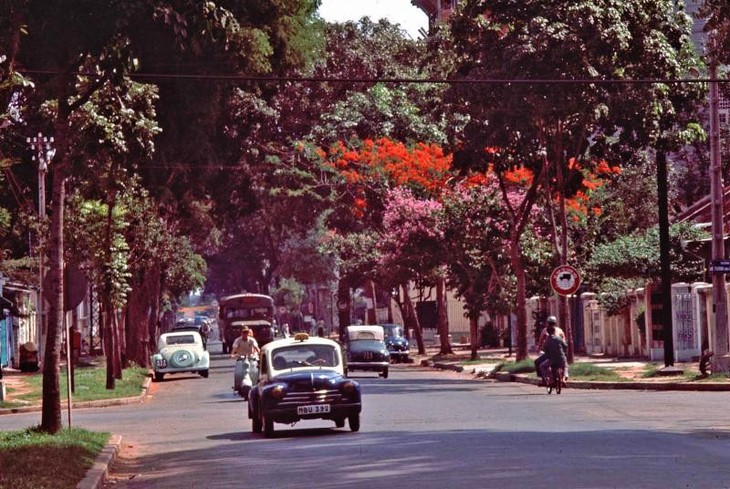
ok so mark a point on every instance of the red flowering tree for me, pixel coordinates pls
(363, 173)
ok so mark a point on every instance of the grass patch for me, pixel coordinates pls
(697, 377)
(31, 459)
(650, 371)
(588, 372)
(479, 361)
(89, 385)
(521, 367)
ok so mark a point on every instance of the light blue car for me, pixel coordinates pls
(179, 352)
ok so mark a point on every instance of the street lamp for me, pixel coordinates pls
(43, 153)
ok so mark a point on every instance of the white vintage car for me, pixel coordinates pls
(180, 351)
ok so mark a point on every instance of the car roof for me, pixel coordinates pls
(295, 340)
(365, 331)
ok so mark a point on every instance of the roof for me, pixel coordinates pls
(293, 340)
(701, 212)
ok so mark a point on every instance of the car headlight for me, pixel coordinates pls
(348, 387)
(278, 392)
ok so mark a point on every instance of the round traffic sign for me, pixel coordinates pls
(565, 280)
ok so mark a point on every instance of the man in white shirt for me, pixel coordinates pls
(245, 344)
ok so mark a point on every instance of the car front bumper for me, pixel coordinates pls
(290, 415)
(372, 366)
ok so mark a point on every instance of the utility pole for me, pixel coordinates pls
(43, 153)
(719, 293)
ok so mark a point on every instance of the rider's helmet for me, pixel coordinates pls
(552, 320)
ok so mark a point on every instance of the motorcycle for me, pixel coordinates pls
(245, 375)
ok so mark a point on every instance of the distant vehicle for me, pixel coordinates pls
(253, 310)
(186, 325)
(396, 342)
(303, 377)
(366, 349)
(179, 352)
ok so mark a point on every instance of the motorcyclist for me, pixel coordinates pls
(245, 345)
(555, 350)
(551, 321)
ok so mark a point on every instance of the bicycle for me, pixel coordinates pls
(555, 380)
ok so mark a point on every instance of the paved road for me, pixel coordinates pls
(423, 429)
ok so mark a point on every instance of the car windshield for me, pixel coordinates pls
(304, 356)
(183, 339)
(393, 331)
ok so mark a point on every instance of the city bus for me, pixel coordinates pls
(253, 310)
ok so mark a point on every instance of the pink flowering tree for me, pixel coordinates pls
(476, 245)
(411, 246)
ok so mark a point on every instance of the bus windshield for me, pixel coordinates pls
(247, 306)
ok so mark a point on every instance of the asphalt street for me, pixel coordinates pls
(421, 428)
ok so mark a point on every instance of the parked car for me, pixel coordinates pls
(366, 349)
(178, 352)
(396, 342)
(303, 377)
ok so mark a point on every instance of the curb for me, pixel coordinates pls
(443, 366)
(576, 384)
(97, 474)
(88, 404)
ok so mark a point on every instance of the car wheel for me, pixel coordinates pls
(384, 373)
(182, 359)
(354, 421)
(256, 424)
(203, 373)
(340, 422)
(268, 426)
(159, 376)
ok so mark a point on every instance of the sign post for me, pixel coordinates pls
(565, 280)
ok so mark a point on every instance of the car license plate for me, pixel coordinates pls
(313, 409)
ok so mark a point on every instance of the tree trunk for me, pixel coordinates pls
(51, 408)
(116, 327)
(137, 324)
(474, 336)
(372, 313)
(521, 300)
(343, 307)
(443, 320)
(108, 340)
(154, 281)
(411, 318)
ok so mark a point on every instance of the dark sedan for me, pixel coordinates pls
(303, 378)
(397, 343)
(366, 349)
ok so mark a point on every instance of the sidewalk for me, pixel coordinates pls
(632, 372)
(15, 380)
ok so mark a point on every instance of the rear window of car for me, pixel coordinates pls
(180, 339)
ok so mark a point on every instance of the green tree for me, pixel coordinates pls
(124, 34)
(629, 261)
(544, 127)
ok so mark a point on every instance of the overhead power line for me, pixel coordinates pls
(447, 81)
